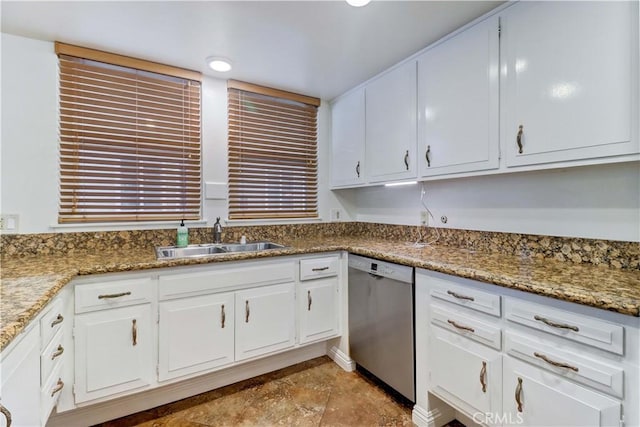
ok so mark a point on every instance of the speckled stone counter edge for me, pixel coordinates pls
(616, 254)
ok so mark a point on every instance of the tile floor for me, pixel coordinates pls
(313, 393)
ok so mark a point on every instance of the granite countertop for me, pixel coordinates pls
(30, 282)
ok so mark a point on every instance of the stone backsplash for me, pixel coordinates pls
(616, 254)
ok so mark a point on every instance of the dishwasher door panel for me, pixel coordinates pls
(381, 329)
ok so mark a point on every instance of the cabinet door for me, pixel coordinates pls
(391, 125)
(20, 394)
(318, 309)
(464, 372)
(347, 142)
(195, 334)
(458, 103)
(265, 320)
(535, 397)
(569, 81)
(113, 351)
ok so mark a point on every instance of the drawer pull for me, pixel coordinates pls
(57, 320)
(107, 296)
(320, 268)
(309, 300)
(518, 394)
(134, 332)
(483, 377)
(459, 326)
(459, 296)
(223, 316)
(554, 324)
(58, 387)
(7, 415)
(519, 139)
(58, 352)
(246, 311)
(554, 363)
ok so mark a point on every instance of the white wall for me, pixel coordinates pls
(591, 201)
(29, 145)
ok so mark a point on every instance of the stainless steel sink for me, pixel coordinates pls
(196, 251)
(191, 251)
(250, 247)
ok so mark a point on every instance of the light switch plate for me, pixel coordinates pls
(215, 190)
(9, 223)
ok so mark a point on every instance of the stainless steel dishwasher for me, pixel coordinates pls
(381, 321)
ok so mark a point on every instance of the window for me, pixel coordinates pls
(273, 161)
(129, 139)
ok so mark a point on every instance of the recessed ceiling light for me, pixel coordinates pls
(219, 64)
(358, 3)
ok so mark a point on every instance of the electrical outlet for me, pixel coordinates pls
(336, 215)
(9, 223)
(424, 218)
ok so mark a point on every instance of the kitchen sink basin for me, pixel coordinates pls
(196, 251)
(249, 247)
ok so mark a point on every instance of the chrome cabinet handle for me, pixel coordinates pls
(459, 326)
(428, 156)
(223, 316)
(134, 332)
(555, 324)
(57, 320)
(358, 169)
(246, 311)
(519, 139)
(554, 363)
(460, 296)
(58, 387)
(406, 159)
(107, 296)
(320, 268)
(309, 300)
(483, 377)
(519, 394)
(58, 352)
(7, 414)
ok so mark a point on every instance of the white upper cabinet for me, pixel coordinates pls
(347, 118)
(391, 125)
(569, 81)
(458, 103)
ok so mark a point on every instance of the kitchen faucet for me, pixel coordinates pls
(217, 231)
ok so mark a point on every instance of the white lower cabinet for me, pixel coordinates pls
(542, 362)
(265, 320)
(318, 309)
(536, 397)
(195, 334)
(20, 373)
(113, 351)
(465, 372)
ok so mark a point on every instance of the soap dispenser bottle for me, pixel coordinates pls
(183, 235)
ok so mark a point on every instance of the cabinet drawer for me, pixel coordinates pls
(50, 393)
(466, 325)
(590, 372)
(574, 327)
(465, 296)
(51, 357)
(224, 279)
(120, 293)
(51, 322)
(319, 267)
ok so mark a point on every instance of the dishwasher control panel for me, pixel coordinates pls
(381, 268)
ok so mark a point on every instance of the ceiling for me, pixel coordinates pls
(317, 48)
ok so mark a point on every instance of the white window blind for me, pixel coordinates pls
(129, 139)
(273, 166)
